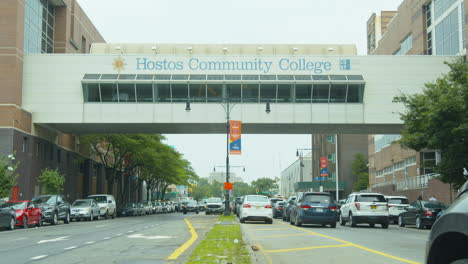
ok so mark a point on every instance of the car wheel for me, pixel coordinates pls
(342, 221)
(384, 225)
(333, 225)
(106, 215)
(11, 226)
(91, 217)
(298, 223)
(39, 221)
(351, 220)
(284, 218)
(270, 221)
(418, 223)
(98, 217)
(206, 213)
(25, 222)
(242, 220)
(400, 221)
(185, 212)
(372, 225)
(67, 218)
(395, 222)
(114, 215)
(55, 219)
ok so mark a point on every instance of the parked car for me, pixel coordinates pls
(214, 205)
(27, 213)
(86, 209)
(369, 208)
(148, 207)
(141, 209)
(287, 209)
(201, 206)
(239, 201)
(274, 200)
(54, 208)
(7, 216)
(128, 209)
(159, 208)
(278, 209)
(449, 235)
(256, 208)
(191, 206)
(396, 206)
(421, 213)
(314, 208)
(107, 205)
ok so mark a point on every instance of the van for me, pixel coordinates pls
(107, 205)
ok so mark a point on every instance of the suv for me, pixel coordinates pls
(214, 205)
(314, 208)
(107, 206)
(370, 208)
(396, 206)
(53, 207)
(287, 208)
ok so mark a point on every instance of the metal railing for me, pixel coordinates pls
(418, 182)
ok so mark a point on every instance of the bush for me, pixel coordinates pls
(7, 175)
(52, 181)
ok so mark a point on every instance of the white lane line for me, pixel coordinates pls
(21, 238)
(137, 229)
(101, 225)
(118, 234)
(53, 240)
(38, 257)
(106, 238)
(146, 226)
(131, 231)
(68, 248)
(90, 242)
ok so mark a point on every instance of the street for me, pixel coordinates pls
(284, 243)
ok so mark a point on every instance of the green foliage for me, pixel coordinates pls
(52, 181)
(264, 185)
(7, 174)
(360, 170)
(437, 119)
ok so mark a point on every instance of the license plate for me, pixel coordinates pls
(258, 207)
(373, 207)
(319, 210)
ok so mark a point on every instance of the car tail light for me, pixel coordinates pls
(305, 206)
(389, 205)
(280, 208)
(333, 208)
(428, 213)
(358, 206)
(268, 206)
(246, 206)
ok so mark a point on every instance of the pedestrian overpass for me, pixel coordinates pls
(148, 93)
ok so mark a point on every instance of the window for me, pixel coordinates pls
(144, 92)
(91, 92)
(179, 92)
(320, 93)
(24, 147)
(338, 93)
(331, 157)
(284, 93)
(303, 92)
(109, 92)
(447, 39)
(440, 6)
(234, 91)
(83, 44)
(162, 92)
(250, 92)
(267, 92)
(126, 92)
(197, 92)
(405, 45)
(370, 198)
(59, 155)
(214, 92)
(331, 139)
(39, 24)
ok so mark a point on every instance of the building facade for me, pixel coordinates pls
(31, 27)
(298, 171)
(419, 27)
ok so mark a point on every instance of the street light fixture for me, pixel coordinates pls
(187, 107)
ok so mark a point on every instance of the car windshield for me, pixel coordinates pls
(370, 198)
(433, 205)
(193, 203)
(214, 200)
(47, 199)
(81, 203)
(317, 198)
(129, 205)
(17, 205)
(257, 198)
(398, 201)
(99, 199)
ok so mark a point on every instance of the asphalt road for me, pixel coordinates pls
(284, 243)
(143, 239)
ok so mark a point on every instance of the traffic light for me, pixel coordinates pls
(256, 191)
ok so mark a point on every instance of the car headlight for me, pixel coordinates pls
(17, 214)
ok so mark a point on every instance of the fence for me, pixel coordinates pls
(418, 182)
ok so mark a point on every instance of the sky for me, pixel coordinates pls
(237, 22)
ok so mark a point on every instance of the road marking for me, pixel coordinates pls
(137, 229)
(90, 242)
(306, 248)
(288, 235)
(118, 234)
(21, 238)
(68, 248)
(101, 225)
(270, 260)
(187, 244)
(106, 238)
(131, 231)
(355, 245)
(39, 257)
(149, 237)
(53, 240)
(263, 229)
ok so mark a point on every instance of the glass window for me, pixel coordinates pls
(214, 92)
(303, 92)
(268, 77)
(267, 92)
(355, 93)
(180, 77)
(320, 93)
(398, 201)
(249, 77)
(338, 93)
(303, 77)
(127, 76)
(197, 92)
(447, 36)
(285, 77)
(234, 91)
(109, 77)
(284, 93)
(440, 6)
(91, 92)
(144, 77)
(109, 92)
(255, 198)
(162, 92)
(126, 92)
(179, 92)
(39, 23)
(320, 77)
(370, 198)
(144, 92)
(91, 76)
(338, 77)
(250, 92)
(198, 77)
(232, 77)
(213, 77)
(355, 77)
(162, 77)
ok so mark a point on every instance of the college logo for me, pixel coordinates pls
(119, 64)
(345, 65)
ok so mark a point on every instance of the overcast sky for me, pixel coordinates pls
(239, 21)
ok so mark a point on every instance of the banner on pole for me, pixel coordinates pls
(323, 166)
(235, 132)
(228, 186)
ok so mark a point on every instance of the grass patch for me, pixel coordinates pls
(219, 247)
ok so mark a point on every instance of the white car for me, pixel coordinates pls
(256, 208)
(396, 206)
(106, 204)
(86, 209)
(369, 208)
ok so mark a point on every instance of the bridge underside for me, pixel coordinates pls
(220, 128)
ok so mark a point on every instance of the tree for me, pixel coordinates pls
(360, 170)
(7, 174)
(52, 181)
(437, 119)
(242, 188)
(264, 185)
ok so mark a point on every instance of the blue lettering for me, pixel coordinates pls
(191, 66)
(150, 65)
(318, 67)
(327, 66)
(281, 64)
(179, 65)
(143, 63)
(159, 65)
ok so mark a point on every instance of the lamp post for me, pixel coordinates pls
(227, 108)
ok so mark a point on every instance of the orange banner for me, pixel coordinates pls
(228, 186)
(235, 133)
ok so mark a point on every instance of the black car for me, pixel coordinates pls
(54, 208)
(448, 239)
(191, 206)
(129, 209)
(7, 216)
(421, 213)
(278, 209)
(288, 207)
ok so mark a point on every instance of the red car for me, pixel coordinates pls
(27, 213)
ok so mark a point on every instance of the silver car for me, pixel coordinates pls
(86, 209)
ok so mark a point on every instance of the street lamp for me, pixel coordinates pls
(227, 109)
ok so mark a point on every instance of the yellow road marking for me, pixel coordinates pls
(306, 248)
(357, 246)
(270, 261)
(187, 244)
(261, 229)
(287, 235)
